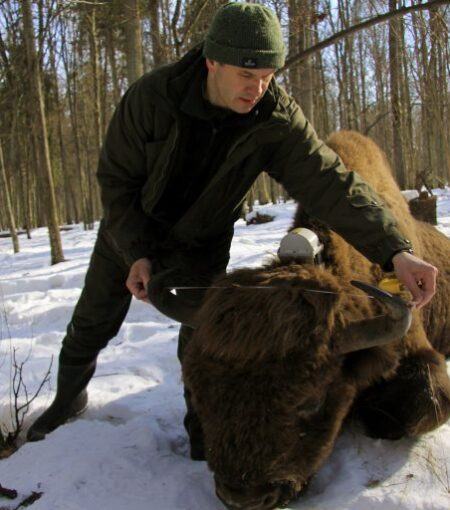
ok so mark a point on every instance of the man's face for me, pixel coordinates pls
(237, 88)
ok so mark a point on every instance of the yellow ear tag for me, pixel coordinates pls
(394, 286)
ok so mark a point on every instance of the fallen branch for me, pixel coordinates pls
(8, 493)
(29, 500)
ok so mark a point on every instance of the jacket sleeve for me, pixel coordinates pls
(122, 173)
(315, 176)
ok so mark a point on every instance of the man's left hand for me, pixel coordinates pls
(417, 275)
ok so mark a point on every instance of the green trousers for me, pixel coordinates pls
(101, 310)
(102, 306)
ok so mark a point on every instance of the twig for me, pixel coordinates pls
(8, 493)
(19, 387)
(28, 501)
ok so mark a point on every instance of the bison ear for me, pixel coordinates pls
(322, 294)
(323, 300)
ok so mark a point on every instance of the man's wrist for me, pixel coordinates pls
(389, 266)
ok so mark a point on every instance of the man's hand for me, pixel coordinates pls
(417, 275)
(138, 278)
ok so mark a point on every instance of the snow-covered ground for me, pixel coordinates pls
(129, 450)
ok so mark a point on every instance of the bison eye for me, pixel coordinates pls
(310, 406)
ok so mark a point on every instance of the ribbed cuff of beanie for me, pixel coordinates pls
(256, 59)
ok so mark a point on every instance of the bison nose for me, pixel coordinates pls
(270, 499)
(267, 501)
(266, 497)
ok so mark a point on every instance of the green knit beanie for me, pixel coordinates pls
(245, 35)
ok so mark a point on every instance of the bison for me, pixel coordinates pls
(274, 372)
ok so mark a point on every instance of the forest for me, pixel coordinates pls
(381, 67)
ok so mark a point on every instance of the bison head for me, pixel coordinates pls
(267, 370)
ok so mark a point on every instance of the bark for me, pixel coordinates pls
(410, 149)
(71, 215)
(300, 38)
(343, 65)
(439, 106)
(396, 105)
(380, 111)
(111, 55)
(98, 122)
(7, 203)
(159, 56)
(41, 133)
(174, 28)
(260, 188)
(362, 58)
(94, 52)
(274, 191)
(294, 71)
(133, 40)
(198, 16)
(249, 203)
(71, 71)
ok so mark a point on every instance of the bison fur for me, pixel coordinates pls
(271, 389)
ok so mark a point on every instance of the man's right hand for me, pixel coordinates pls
(138, 278)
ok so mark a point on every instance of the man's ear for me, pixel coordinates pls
(211, 64)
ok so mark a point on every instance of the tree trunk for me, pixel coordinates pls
(71, 71)
(94, 53)
(299, 39)
(7, 202)
(41, 133)
(111, 54)
(410, 149)
(274, 191)
(261, 190)
(396, 106)
(439, 106)
(362, 57)
(71, 215)
(133, 42)
(98, 122)
(158, 52)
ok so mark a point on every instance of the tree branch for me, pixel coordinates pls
(356, 28)
(175, 18)
(194, 21)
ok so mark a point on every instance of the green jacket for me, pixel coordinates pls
(137, 160)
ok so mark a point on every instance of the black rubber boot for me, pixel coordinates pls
(70, 400)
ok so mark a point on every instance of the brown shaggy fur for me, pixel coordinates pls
(270, 392)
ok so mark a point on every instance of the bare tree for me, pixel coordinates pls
(396, 104)
(7, 202)
(343, 68)
(37, 106)
(133, 40)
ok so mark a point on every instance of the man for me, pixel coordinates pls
(183, 148)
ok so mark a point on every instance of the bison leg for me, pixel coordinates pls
(414, 401)
(191, 420)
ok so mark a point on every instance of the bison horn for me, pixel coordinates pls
(376, 331)
(174, 306)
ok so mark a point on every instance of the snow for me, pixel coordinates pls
(129, 450)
